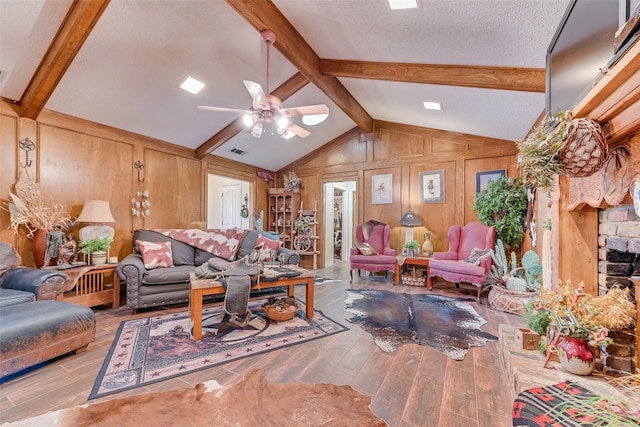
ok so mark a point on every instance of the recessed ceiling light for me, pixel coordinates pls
(403, 4)
(192, 85)
(432, 105)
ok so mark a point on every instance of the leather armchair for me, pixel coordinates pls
(378, 237)
(451, 265)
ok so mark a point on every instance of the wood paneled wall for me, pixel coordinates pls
(405, 151)
(79, 160)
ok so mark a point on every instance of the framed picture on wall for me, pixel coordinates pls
(484, 178)
(432, 186)
(382, 189)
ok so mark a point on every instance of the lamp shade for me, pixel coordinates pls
(96, 211)
(410, 219)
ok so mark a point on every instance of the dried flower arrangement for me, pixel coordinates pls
(580, 315)
(27, 208)
(292, 181)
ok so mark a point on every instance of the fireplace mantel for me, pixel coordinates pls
(614, 102)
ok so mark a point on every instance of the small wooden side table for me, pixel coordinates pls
(87, 285)
(423, 261)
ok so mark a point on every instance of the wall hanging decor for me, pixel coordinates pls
(140, 204)
(382, 189)
(432, 186)
(484, 178)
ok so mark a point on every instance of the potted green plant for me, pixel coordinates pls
(96, 249)
(503, 204)
(411, 248)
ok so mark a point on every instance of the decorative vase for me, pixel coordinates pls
(575, 356)
(40, 248)
(427, 246)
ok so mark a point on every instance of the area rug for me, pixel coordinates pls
(254, 401)
(449, 325)
(156, 348)
(322, 280)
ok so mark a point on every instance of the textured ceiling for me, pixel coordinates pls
(127, 73)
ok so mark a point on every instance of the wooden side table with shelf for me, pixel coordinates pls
(419, 261)
(92, 285)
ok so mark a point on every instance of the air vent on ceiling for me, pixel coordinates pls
(238, 151)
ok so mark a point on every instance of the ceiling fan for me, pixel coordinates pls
(267, 109)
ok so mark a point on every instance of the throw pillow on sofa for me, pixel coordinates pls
(477, 255)
(155, 254)
(268, 245)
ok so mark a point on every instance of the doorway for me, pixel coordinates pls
(226, 198)
(339, 220)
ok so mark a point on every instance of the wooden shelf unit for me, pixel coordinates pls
(283, 208)
(312, 219)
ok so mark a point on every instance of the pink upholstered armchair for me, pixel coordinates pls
(452, 265)
(377, 236)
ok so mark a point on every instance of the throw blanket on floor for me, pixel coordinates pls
(222, 243)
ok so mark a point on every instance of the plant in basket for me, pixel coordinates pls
(513, 286)
(562, 145)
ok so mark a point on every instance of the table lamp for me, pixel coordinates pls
(98, 212)
(409, 220)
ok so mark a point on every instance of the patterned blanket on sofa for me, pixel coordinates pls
(222, 243)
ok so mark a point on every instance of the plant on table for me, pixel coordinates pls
(95, 245)
(411, 246)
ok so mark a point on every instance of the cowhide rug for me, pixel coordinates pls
(447, 324)
(252, 402)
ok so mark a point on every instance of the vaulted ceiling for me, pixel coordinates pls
(119, 63)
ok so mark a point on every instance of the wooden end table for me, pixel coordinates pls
(422, 261)
(87, 285)
(202, 287)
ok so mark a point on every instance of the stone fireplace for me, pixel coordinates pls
(618, 261)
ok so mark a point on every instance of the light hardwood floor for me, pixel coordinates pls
(414, 386)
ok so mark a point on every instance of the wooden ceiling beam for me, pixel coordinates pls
(76, 27)
(284, 91)
(505, 78)
(264, 15)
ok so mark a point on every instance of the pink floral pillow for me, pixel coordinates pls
(155, 254)
(268, 245)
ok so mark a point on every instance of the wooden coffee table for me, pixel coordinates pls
(202, 287)
(423, 261)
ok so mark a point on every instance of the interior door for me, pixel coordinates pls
(231, 203)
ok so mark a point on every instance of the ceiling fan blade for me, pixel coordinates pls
(301, 132)
(256, 92)
(306, 110)
(223, 109)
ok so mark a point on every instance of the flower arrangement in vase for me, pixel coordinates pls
(582, 317)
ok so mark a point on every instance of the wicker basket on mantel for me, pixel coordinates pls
(585, 151)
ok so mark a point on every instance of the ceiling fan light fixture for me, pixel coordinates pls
(249, 119)
(314, 119)
(192, 85)
(256, 130)
(282, 122)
